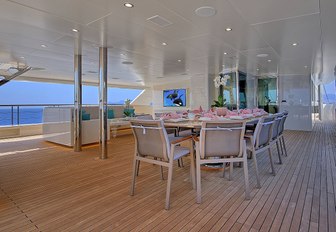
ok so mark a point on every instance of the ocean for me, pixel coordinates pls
(27, 115)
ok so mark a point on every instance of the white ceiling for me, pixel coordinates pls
(259, 26)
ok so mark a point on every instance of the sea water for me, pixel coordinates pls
(26, 115)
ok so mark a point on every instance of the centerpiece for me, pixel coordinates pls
(220, 81)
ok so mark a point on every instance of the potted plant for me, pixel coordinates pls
(220, 81)
(128, 111)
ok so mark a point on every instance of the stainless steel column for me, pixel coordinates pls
(237, 88)
(78, 103)
(103, 101)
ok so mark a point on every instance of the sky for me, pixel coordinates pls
(329, 93)
(23, 92)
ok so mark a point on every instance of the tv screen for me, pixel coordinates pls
(174, 97)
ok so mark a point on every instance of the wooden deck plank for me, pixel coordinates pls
(45, 187)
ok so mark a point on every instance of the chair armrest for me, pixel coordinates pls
(181, 140)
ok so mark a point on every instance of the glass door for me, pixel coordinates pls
(267, 94)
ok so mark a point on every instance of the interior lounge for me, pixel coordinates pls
(208, 115)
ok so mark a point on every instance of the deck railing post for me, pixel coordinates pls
(103, 102)
(12, 115)
(18, 115)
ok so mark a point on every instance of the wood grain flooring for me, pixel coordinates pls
(45, 187)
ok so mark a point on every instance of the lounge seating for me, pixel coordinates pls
(221, 142)
(152, 146)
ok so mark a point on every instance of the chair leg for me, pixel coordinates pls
(134, 176)
(256, 169)
(178, 163)
(278, 150)
(247, 183)
(161, 172)
(271, 160)
(224, 165)
(181, 162)
(198, 180)
(284, 145)
(138, 167)
(170, 177)
(231, 171)
(192, 166)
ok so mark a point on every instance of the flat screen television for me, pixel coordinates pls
(174, 97)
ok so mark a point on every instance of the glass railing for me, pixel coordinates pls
(14, 115)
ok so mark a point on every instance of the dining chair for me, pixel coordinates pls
(221, 142)
(280, 132)
(152, 145)
(260, 142)
(275, 134)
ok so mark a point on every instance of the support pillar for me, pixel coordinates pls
(103, 102)
(77, 103)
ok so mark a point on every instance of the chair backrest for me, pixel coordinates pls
(282, 124)
(263, 132)
(151, 138)
(276, 127)
(218, 138)
(145, 117)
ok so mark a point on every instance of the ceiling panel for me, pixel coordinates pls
(259, 11)
(280, 35)
(79, 11)
(240, 38)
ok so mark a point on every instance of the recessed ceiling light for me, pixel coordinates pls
(164, 44)
(269, 61)
(179, 60)
(228, 29)
(21, 57)
(122, 54)
(74, 30)
(262, 55)
(223, 65)
(127, 62)
(43, 45)
(225, 53)
(205, 11)
(128, 5)
(294, 44)
(305, 66)
(257, 69)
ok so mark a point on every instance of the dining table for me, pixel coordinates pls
(197, 123)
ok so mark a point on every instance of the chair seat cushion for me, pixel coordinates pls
(180, 151)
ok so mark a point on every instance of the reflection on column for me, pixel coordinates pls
(77, 103)
(103, 101)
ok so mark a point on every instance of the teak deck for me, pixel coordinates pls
(45, 187)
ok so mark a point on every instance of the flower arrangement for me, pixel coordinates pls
(221, 80)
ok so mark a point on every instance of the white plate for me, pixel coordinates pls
(204, 119)
(177, 120)
(236, 117)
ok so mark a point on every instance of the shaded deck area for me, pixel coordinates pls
(45, 187)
